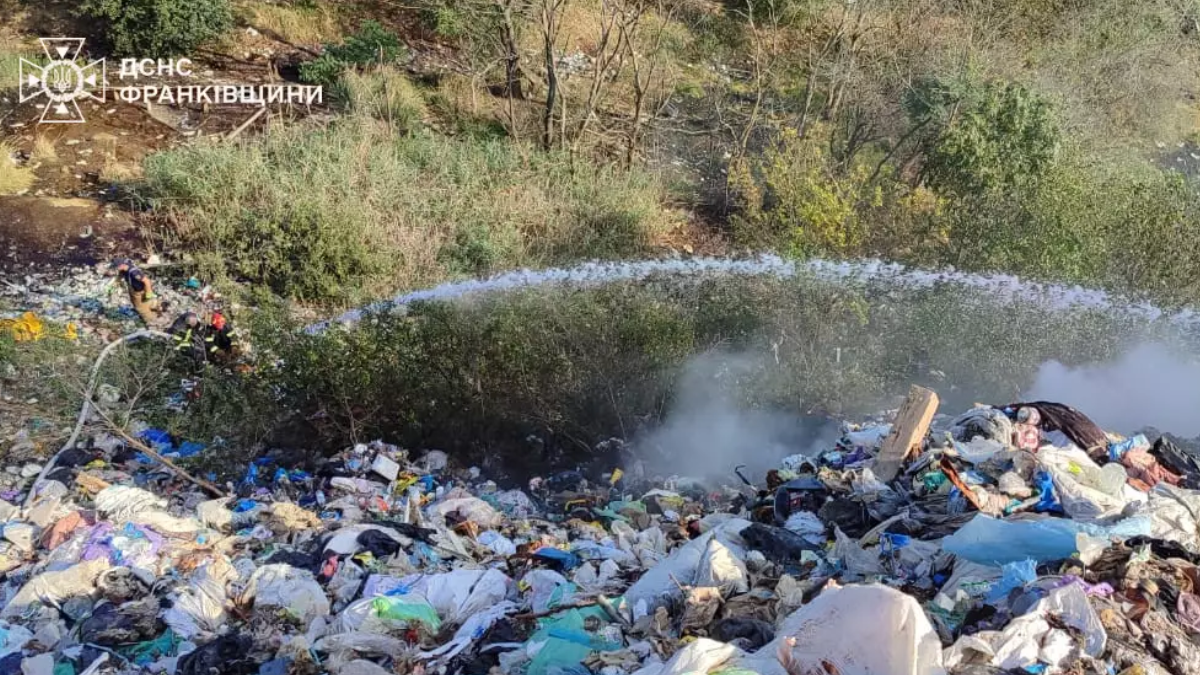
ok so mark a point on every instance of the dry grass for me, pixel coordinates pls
(384, 93)
(43, 150)
(296, 25)
(115, 171)
(13, 179)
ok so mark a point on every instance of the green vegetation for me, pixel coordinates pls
(575, 367)
(1025, 136)
(330, 214)
(158, 28)
(371, 45)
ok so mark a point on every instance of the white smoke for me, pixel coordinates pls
(1149, 386)
(709, 429)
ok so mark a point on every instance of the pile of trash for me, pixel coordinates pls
(1011, 539)
(86, 294)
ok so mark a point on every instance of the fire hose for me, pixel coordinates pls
(86, 410)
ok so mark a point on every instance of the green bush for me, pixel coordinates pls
(989, 136)
(372, 44)
(158, 28)
(577, 366)
(444, 20)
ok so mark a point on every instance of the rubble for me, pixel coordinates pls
(1000, 546)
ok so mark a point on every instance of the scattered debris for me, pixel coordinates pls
(989, 551)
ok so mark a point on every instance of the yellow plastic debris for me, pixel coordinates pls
(71, 332)
(26, 328)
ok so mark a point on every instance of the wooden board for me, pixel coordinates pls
(908, 432)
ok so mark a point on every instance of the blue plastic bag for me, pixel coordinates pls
(568, 560)
(1016, 575)
(990, 541)
(1048, 501)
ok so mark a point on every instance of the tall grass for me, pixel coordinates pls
(300, 25)
(14, 179)
(383, 93)
(353, 209)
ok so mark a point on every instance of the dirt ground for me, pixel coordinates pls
(71, 214)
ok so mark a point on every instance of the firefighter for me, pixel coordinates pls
(189, 336)
(219, 338)
(141, 290)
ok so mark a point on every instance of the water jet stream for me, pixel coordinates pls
(591, 274)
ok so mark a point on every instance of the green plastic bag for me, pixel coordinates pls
(400, 609)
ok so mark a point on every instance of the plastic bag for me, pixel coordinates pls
(472, 629)
(979, 450)
(406, 610)
(858, 561)
(498, 543)
(548, 589)
(562, 641)
(200, 605)
(461, 593)
(835, 627)
(52, 588)
(1015, 575)
(990, 541)
(119, 502)
(660, 584)
(699, 656)
(807, 525)
(287, 588)
(720, 568)
(472, 509)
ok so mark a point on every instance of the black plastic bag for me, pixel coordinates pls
(227, 655)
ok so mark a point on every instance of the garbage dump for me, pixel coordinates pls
(986, 542)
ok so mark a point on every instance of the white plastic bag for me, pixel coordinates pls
(807, 525)
(720, 568)
(288, 588)
(199, 606)
(498, 543)
(119, 502)
(548, 589)
(701, 656)
(660, 584)
(52, 588)
(473, 509)
(979, 449)
(859, 630)
(458, 594)
(858, 561)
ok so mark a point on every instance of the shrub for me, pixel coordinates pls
(577, 366)
(158, 28)
(990, 136)
(372, 44)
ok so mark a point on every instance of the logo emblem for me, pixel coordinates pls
(64, 81)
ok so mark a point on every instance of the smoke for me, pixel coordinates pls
(711, 428)
(1149, 386)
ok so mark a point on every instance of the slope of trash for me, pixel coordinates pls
(1012, 539)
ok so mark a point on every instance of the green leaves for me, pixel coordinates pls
(158, 28)
(994, 136)
(372, 44)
